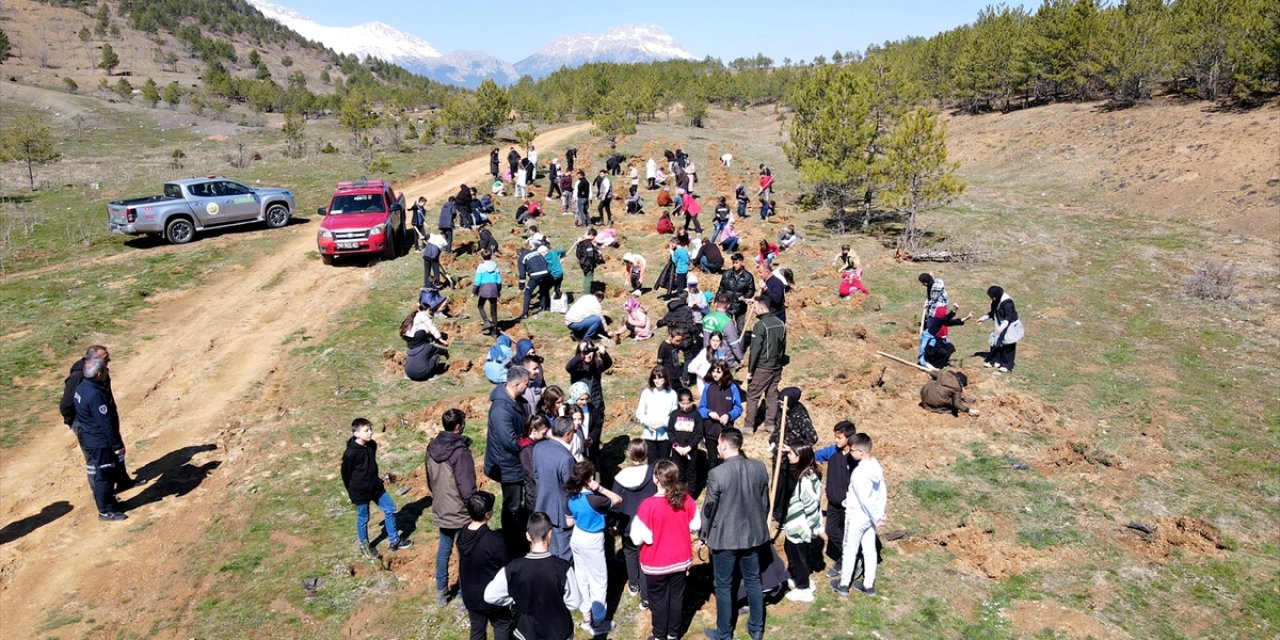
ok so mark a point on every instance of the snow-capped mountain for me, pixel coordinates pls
(378, 40)
(371, 39)
(470, 68)
(643, 43)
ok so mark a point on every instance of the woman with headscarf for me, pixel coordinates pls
(423, 358)
(1005, 334)
(587, 365)
(800, 431)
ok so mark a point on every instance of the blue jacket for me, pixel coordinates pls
(96, 411)
(506, 427)
(446, 216)
(680, 257)
(488, 281)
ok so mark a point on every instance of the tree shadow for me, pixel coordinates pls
(173, 475)
(19, 528)
(17, 198)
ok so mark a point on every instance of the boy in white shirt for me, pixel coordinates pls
(865, 505)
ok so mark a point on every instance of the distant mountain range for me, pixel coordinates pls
(622, 44)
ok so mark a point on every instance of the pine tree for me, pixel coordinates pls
(294, 134)
(492, 109)
(355, 117)
(917, 175)
(172, 94)
(109, 60)
(831, 133)
(151, 92)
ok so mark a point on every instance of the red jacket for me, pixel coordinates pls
(669, 550)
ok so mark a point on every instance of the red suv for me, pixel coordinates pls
(364, 217)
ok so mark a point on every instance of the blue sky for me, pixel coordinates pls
(796, 29)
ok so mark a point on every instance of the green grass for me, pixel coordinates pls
(1119, 353)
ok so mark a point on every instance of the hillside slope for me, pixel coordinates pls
(1163, 161)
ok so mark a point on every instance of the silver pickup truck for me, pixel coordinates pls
(196, 204)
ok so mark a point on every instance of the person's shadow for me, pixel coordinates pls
(172, 475)
(19, 528)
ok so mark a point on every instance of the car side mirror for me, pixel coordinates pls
(321, 211)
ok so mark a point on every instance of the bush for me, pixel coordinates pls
(1213, 280)
(379, 166)
(328, 148)
(70, 85)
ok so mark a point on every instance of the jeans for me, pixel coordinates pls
(542, 284)
(443, 551)
(587, 328)
(716, 228)
(582, 220)
(723, 564)
(388, 507)
(742, 208)
(924, 341)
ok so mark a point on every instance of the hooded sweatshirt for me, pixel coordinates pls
(634, 484)
(868, 494)
(360, 471)
(451, 476)
(481, 554)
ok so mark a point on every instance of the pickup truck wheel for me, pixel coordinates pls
(390, 252)
(326, 258)
(277, 216)
(179, 231)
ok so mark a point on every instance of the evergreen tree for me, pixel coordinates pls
(355, 117)
(151, 92)
(172, 94)
(917, 175)
(29, 141)
(294, 134)
(4, 46)
(831, 133)
(492, 109)
(109, 60)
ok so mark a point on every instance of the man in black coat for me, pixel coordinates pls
(507, 414)
(740, 286)
(494, 167)
(513, 161)
(99, 437)
(734, 526)
(119, 474)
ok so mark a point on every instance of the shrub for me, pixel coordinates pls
(328, 148)
(1213, 280)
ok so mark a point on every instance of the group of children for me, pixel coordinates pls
(649, 507)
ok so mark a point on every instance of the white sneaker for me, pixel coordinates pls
(800, 595)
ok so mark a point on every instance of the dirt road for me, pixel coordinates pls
(179, 386)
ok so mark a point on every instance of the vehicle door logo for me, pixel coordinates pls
(212, 208)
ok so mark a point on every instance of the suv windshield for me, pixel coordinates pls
(358, 203)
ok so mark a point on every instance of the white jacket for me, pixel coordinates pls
(654, 410)
(868, 495)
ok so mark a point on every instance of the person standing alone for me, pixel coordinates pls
(735, 526)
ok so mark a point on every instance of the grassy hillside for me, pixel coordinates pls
(1131, 401)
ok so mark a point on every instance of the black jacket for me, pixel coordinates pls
(493, 162)
(680, 317)
(776, 291)
(481, 554)
(506, 425)
(96, 411)
(588, 255)
(68, 404)
(360, 472)
(487, 241)
(735, 511)
(741, 287)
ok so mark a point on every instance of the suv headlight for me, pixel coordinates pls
(373, 231)
(325, 233)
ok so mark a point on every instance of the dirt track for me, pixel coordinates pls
(179, 388)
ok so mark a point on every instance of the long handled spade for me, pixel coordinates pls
(901, 361)
(777, 464)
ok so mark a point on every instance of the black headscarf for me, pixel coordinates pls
(926, 280)
(995, 293)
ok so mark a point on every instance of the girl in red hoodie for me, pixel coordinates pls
(661, 529)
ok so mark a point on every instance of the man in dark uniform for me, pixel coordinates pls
(99, 436)
(120, 475)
